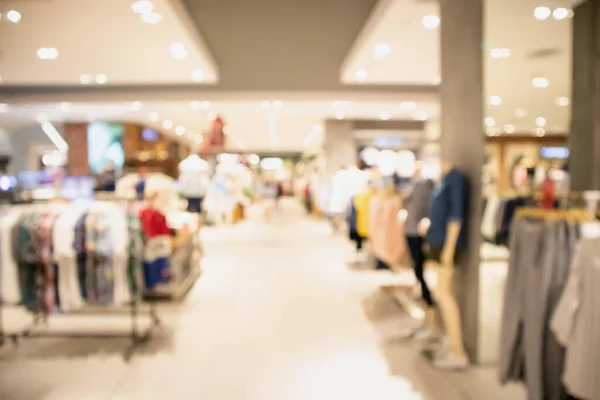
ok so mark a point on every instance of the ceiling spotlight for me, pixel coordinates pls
(562, 101)
(3, 107)
(277, 104)
(420, 116)
(265, 105)
(47, 53)
(490, 122)
(408, 106)
(86, 79)
(521, 113)
(381, 51)
(500, 53)
(136, 106)
(180, 130)
(151, 18)
(153, 116)
(540, 83)
(540, 132)
(361, 75)
(340, 115)
(167, 124)
(495, 100)
(101, 79)
(540, 122)
(65, 106)
(509, 128)
(142, 6)
(542, 13)
(384, 115)
(198, 75)
(560, 13)
(178, 51)
(13, 16)
(431, 21)
(317, 129)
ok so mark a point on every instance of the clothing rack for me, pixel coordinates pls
(42, 316)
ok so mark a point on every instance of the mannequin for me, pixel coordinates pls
(446, 239)
(193, 181)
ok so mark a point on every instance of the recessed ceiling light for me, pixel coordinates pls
(198, 75)
(3, 107)
(101, 79)
(136, 106)
(560, 13)
(142, 6)
(495, 100)
(178, 51)
(540, 122)
(180, 130)
(384, 115)
(361, 75)
(431, 21)
(509, 128)
(47, 53)
(13, 16)
(381, 51)
(500, 53)
(436, 80)
(86, 79)
(153, 116)
(317, 129)
(65, 106)
(542, 13)
(408, 106)
(490, 122)
(265, 105)
(167, 124)
(521, 113)
(277, 104)
(196, 106)
(562, 101)
(340, 115)
(540, 132)
(540, 82)
(151, 18)
(420, 116)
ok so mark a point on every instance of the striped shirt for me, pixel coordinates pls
(576, 322)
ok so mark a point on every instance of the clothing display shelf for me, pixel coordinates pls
(45, 266)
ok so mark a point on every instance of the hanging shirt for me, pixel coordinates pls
(449, 204)
(362, 204)
(158, 247)
(417, 206)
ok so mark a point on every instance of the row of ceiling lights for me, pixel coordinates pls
(145, 9)
(560, 13)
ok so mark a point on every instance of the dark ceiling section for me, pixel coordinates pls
(280, 44)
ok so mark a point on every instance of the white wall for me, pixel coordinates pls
(22, 143)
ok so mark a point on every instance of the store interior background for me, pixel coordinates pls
(366, 74)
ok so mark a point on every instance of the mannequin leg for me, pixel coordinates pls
(449, 309)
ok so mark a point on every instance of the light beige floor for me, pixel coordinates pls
(276, 316)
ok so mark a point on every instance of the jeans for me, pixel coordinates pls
(415, 246)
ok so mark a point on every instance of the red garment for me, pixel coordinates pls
(154, 223)
(548, 189)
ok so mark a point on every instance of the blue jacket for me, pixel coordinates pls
(449, 204)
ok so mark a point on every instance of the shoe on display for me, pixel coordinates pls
(451, 362)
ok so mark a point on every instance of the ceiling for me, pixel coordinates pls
(97, 37)
(305, 53)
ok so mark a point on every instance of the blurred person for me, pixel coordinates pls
(269, 194)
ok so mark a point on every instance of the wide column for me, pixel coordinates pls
(462, 138)
(339, 146)
(584, 139)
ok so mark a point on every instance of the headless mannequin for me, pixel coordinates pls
(444, 294)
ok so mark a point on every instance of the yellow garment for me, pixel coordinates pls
(362, 205)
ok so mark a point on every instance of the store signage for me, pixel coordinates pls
(149, 135)
(554, 152)
(388, 142)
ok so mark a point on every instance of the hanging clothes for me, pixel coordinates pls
(158, 247)
(362, 204)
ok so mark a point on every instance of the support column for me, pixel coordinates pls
(339, 146)
(584, 140)
(462, 138)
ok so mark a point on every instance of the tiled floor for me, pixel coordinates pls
(276, 316)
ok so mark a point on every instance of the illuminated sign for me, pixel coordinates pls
(554, 152)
